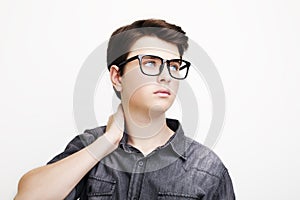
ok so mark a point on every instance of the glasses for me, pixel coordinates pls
(151, 65)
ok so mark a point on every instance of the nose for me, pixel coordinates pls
(164, 76)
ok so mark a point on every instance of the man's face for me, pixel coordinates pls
(151, 94)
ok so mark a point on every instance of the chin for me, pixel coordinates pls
(159, 108)
(156, 105)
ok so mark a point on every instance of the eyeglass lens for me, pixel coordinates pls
(151, 65)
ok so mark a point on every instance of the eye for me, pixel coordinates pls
(151, 62)
(174, 66)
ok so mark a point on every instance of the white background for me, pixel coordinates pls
(254, 44)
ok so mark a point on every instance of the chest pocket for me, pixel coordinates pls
(176, 196)
(99, 188)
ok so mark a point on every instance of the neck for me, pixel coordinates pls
(146, 129)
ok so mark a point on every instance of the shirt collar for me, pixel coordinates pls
(178, 141)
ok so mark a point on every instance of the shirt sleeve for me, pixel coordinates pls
(73, 146)
(225, 189)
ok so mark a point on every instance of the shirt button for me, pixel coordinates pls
(141, 163)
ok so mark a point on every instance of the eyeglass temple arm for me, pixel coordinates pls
(128, 60)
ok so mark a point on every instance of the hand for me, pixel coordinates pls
(115, 126)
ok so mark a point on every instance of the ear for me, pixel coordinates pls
(115, 77)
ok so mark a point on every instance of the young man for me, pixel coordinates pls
(139, 154)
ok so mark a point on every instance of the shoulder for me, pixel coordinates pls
(209, 170)
(204, 159)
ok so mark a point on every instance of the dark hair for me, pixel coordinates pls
(124, 37)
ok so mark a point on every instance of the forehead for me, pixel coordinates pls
(154, 46)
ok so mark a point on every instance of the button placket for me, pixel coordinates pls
(136, 181)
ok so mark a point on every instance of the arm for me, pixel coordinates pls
(56, 180)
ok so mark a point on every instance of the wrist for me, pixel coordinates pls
(101, 147)
(114, 139)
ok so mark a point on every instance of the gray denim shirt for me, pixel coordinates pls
(180, 169)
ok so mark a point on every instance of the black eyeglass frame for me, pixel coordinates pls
(163, 61)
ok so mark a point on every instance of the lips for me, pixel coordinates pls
(163, 91)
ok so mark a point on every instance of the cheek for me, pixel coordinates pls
(174, 87)
(139, 96)
(132, 82)
(136, 87)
